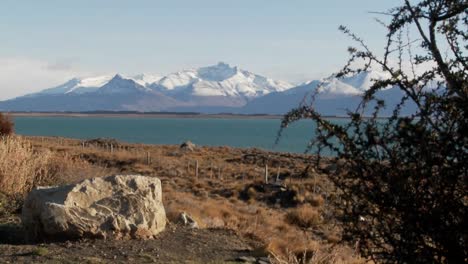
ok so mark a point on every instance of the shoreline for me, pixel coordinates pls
(152, 115)
(109, 141)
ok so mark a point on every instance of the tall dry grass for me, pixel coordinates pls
(23, 167)
(20, 166)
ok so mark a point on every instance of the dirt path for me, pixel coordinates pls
(177, 244)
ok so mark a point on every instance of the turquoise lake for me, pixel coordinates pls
(245, 133)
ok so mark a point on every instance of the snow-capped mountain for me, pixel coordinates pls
(350, 85)
(218, 80)
(77, 86)
(212, 89)
(145, 79)
(214, 86)
(333, 96)
(93, 84)
(121, 85)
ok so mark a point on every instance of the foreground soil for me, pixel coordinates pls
(177, 244)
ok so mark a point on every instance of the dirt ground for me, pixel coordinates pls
(177, 244)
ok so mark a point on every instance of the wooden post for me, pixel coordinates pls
(148, 158)
(196, 169)
(219, 172)
(111, 148)
(278, 173)
(266, 173)
(211, 170)
(241, 171)
(315, 183)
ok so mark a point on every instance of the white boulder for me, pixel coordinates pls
(113, 207)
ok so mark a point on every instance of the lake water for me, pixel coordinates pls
(260, 133)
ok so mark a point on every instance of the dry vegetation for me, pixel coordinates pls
(294, 218)
(6, 125)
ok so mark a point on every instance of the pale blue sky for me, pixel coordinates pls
(292, 40)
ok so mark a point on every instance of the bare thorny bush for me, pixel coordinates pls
(404, 178)
(6, 125)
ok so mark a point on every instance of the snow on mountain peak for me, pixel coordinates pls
(365, 79)
(351, 85)
(95, 81)
(145, 79)
(78, 85)
(217, 73)
(220, 79)
(119, 84)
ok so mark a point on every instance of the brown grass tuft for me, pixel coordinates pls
(316, 200)
(23, 167)
(304, 216)
(20, 166)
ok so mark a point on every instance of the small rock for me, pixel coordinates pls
(187, 145)
(263, 260)
(188, 220)
(246, 259)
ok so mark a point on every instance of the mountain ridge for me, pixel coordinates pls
(219, 88)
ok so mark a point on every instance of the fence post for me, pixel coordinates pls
(111, 148)
(211, 170)
(148, 158)
(266, 173)
(315, 183)
(196, 169)
(243, 176)
(278, 173)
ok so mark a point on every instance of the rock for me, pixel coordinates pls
(263, 260)
(246, 259)
(188, 220)
(102, 142)
(114, 207)
(187, 145)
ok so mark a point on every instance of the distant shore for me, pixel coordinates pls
(143, 115)
(149, 114)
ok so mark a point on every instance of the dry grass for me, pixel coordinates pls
(338, 255)
(304, 216)
(21, 167)
(228, 192)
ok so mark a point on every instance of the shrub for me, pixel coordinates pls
(6, 125)
(404, 178)
(304, 216)
(20, 166)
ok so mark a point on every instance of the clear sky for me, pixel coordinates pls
(43, 43)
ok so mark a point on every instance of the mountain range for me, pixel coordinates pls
(219, 88)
